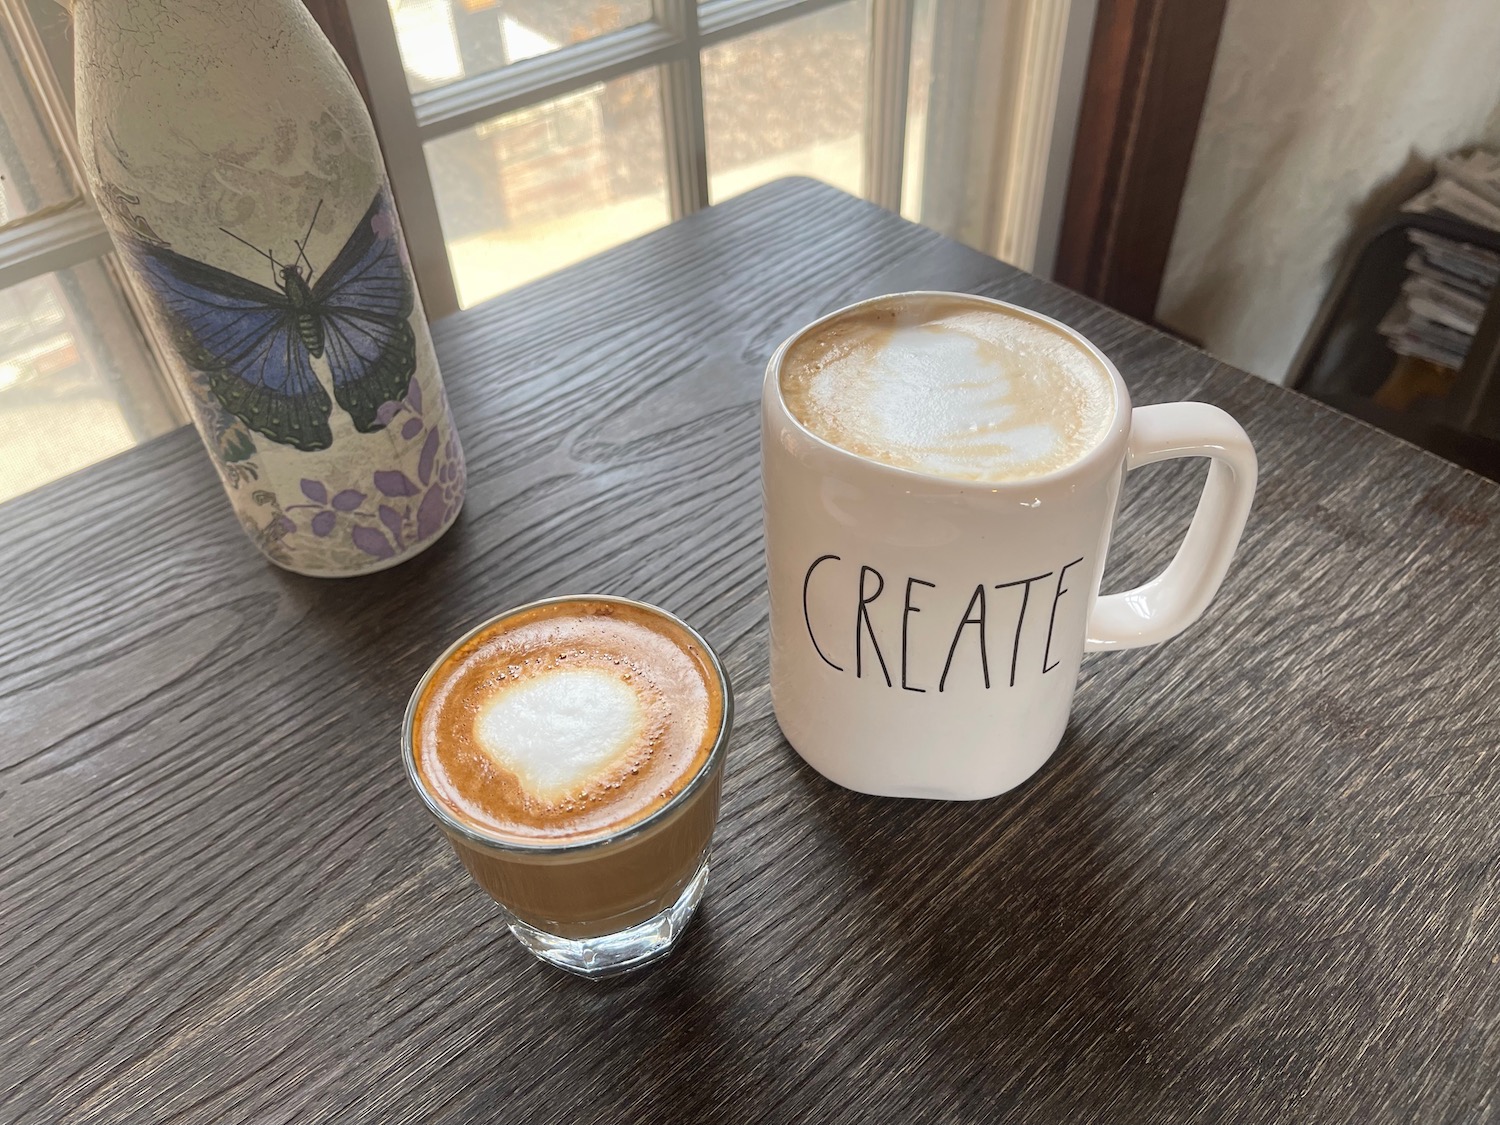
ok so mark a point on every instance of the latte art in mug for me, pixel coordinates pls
(950, 387)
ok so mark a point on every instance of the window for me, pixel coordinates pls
(79, 381)
(523, 135)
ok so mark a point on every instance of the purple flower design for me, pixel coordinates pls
(371, 542)
(406, 510)
(393, 482)
(326, 510)
(414, 510)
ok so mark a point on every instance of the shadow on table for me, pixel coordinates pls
(1018, 940)
(385, 627)
(1018, 933)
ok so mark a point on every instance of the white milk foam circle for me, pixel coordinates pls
(949, 388)
(561, 730)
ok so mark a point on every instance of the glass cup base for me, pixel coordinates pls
(612, 954)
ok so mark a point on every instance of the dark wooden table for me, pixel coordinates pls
(1256, 883)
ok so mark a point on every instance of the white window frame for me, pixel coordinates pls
(671, 40)
(1038, 45)
(1040, 49)
(59, 237)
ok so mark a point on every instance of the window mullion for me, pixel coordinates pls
(57, 116)
(719, 20)
(480, 97)
(1035, 56)
(885, 104)
(1072, 72)
(405, 157)
(54, 240)
(682, 111)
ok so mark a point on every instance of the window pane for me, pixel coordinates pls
(33, 176)
(77, 382)
(444, 40)
(543, 187)
(788, 100)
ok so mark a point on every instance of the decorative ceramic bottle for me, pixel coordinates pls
(237, 170)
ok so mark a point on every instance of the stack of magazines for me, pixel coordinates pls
(1448, 282)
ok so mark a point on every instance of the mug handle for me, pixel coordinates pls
(1176, 597)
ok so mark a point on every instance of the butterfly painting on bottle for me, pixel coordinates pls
(256, 344)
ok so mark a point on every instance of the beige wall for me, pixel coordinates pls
(1318, 113)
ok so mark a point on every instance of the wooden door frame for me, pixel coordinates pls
(1148, 73)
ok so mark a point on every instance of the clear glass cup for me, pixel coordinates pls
(605, 904)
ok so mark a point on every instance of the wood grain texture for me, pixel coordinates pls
(1256, 883)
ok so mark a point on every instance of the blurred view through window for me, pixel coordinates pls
(527, 192)
(442, 40)
(788, 101)
(78, 382)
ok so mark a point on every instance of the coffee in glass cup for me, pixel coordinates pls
(572, 752)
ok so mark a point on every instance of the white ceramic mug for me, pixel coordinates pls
(926, 633)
